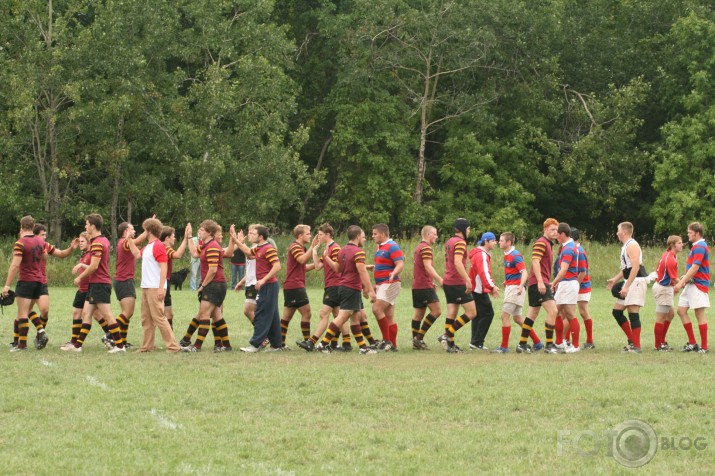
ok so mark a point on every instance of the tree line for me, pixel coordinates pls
(358, 111)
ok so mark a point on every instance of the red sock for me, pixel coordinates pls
(575, 331)
(626, 326)
(658, 332)
(637, 337)
(559, 328)
(689, 330)
(505, 331)
(534, 337)
(666, 325)
(393, 334)
(384, 328)
(588, 324)
(703, 336)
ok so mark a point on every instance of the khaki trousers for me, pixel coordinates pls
(153, 317)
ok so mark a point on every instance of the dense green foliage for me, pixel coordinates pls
(401, 111)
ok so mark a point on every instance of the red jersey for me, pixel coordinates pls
(422, 279)
(31, 248)
(126, 263)
(212, 257)
(295, 275)
(348, 258)
(667, 269)
(541, 250)
(99, 248)
(84, 282)
(49, 249)
(266, 255)
(331, 277)
(455, 249)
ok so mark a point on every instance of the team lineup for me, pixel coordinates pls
(561, 287)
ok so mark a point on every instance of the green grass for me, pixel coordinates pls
(299, 413)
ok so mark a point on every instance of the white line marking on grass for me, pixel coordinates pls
(163, 421)
(96, 383)
(186, 468)
(46, 363)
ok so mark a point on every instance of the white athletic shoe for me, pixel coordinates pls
(572, 350)
(116, 350)
(250, 349)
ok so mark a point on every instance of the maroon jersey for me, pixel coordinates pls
(422, 279)
(31, 248)
(454, 249)
(348, 258)
(265, 255)
(48, 250)
(295, 276)
(99, 248)
(84, 282)
(212, 257)
(331, 277)
(541, 250)
(170, 264)
(126, 263)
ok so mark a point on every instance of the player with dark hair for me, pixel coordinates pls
(566, 286)
(43, 303)
(515, 276)
(124, 286)
(389, 261)
(584, 289)
(266, 323)
(455, 283)
(328, 262)
(27, 262)
(99, 291)
(212, 287)
(168, 237)
(353, 279)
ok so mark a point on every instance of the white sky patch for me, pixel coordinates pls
(96, 383)
(163, 421)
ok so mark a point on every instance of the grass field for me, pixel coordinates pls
(395, 413)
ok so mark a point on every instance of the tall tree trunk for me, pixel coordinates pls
(318, 166)
(54, 200)
(427, 97)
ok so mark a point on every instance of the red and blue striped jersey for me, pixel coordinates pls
(386, 258)
(585, 286)
(569, 255)
(667, 269)
(700, 255)
(513, 267)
